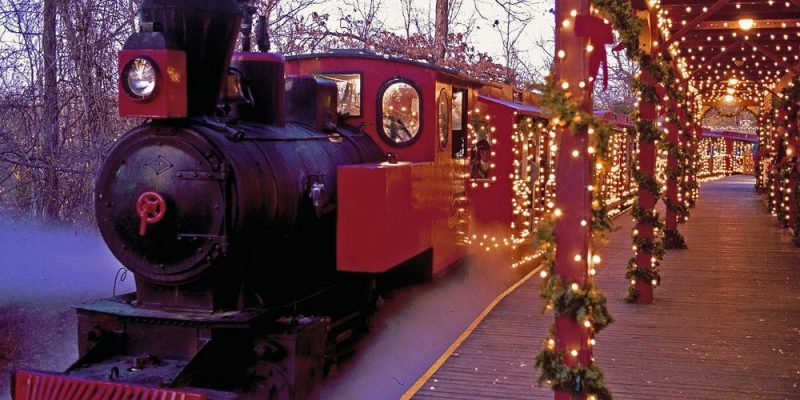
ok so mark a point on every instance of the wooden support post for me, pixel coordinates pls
(728, 156)
(711, 157)
(672, 237)
(694, 151)
(645, 231)
(791, 203)
(647, 201)
(672, 182)
(696, 159)
(573, 177)
(777, 140)
(684, 180)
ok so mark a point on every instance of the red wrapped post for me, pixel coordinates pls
(728, 156)
(647, 199)
(573, 176)
(672, 238)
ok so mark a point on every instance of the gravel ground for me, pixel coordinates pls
(35, 336)
(44, 272)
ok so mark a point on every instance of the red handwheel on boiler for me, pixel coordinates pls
(151, 208)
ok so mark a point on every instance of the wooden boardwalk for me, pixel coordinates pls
(725, 323)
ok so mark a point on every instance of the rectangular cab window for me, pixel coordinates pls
(459, 142)
(348, 86)
(458, 109)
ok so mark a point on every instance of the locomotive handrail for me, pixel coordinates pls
(236, 134)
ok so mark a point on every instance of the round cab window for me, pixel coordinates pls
(399, 112)
(444, 119)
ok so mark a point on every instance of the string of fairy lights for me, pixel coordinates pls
(737, 61)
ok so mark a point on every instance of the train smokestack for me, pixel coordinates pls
(208, 31)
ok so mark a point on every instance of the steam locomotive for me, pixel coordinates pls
(265, 198)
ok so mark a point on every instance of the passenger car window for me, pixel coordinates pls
(399, 112)
(348, 86)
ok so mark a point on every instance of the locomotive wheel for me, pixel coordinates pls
(269, 382)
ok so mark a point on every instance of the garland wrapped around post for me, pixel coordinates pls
(579, 215)
(685, 145)
(672, 237)
(582, 304)
(792, 144)
(784, 172)
(689, 184)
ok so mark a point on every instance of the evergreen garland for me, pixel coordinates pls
(648, 132)
(673, 239)
(578, 303)
(783, 175)
(647, 182)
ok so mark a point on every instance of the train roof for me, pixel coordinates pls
(615, 117)
(371, 55)
(742, 136)
(518, 107)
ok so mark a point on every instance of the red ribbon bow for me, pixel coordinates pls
(599, 34)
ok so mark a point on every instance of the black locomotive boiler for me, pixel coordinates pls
(223, 206)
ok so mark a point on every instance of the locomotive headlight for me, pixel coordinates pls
(140, 77)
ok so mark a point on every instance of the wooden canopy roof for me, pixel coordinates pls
(720, 57)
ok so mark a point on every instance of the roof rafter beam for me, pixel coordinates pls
(716, 57)
(773, 57)
(691, 25)
(759, 24)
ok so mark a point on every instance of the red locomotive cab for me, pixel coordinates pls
(152, 81)
(416, 201)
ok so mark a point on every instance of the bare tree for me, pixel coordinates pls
(58, 101)
(282, 19)
(441, 30)
(510, 26)
(50, 99)
(619, 96)
(410, 14)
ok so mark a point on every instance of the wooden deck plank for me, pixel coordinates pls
(725, 323)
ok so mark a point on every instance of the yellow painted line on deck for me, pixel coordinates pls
(464, 335)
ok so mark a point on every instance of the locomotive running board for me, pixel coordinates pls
(34, 385)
